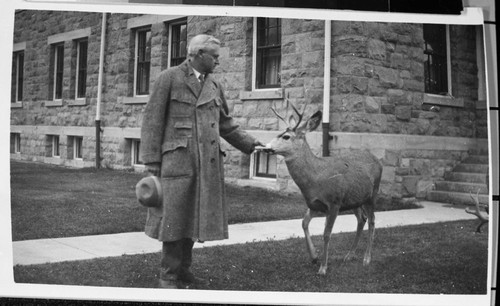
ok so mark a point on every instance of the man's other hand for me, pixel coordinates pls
(153, 169)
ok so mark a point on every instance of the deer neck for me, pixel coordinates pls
(302, 164)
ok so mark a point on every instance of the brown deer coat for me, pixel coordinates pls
(181, 128)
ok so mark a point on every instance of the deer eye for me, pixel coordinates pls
(286, 137)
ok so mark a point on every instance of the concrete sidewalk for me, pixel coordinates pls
(41, 251)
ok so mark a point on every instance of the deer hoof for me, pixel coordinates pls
(366, 261)
(322, 270)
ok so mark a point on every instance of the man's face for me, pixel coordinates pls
(209, 58)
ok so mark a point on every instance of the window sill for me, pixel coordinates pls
(78, 102)
(264, 183)
(139, 168)
(262, 94)
(135, 100)
(54, 103)
(16, 105)
(443, 100)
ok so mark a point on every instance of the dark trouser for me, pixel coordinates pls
(176, 258)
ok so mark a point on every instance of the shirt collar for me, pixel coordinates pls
(196, 73)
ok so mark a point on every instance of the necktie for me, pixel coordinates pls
(202, 79)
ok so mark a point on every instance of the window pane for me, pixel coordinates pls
(78, 147)
(59, 66)
(55, 145)
(179, 44)
(15, 143)
(136, 144)
(435, 64)
(143, 61)
(20, 75)
(268, 52)
(82, 69)
(265, 165)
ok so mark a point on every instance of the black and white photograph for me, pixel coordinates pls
(247, 154)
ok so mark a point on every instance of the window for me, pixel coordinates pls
(268, 52)
(264, 165)
(15, 143)
(81, 68)
(437, 58)
(18, 76)
(54, 139)
(58, 66)
(178, 49)
(77, 147)
(135, 152)
(142, 61)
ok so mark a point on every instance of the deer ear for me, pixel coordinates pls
(292, 121)
(314, 121)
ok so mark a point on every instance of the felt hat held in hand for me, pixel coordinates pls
(149, 192)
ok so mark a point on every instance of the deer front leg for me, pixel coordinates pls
(369, 209)
(309, 244)
(358, 212)
(330, 220)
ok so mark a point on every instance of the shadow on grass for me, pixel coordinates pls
(440, 258)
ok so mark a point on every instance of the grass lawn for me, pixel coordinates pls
(441, 258)
(50, 201)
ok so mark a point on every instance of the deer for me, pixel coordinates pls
(482, 216)
(330, 184)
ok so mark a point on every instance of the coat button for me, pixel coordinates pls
(213, 124)
(212, 160)
(213, 142)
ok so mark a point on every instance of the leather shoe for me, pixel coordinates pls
(168, 284)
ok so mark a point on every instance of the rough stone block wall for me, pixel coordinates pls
(378, 81)
(35, 27)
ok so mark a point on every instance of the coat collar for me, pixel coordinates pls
(205, 94)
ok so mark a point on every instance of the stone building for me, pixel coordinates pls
(412, 94)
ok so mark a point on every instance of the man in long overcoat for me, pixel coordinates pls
(183, 120)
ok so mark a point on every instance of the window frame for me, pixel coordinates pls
(18, 81)
(55, 141)
(447, 59)
(16, 143)
(135, 147)
(171, 42)
(447, 98)
(78, 147)
(58, 72)
(137, 32)
(256, 70)
(254, 166)
(81, 69)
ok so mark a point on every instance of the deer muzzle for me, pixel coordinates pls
(266, 149)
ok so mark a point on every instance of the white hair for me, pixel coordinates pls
(201, 42)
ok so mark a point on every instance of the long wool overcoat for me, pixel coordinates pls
(181, 128)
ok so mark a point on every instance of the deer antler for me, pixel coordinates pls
(483, 217)
(273, 108)
(300, 113)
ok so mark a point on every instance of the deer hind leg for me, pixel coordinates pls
(369, 210)
(330, 220)
(309, 244)
(358, 212)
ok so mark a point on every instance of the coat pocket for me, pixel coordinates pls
(176, 160)
(183, 128)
